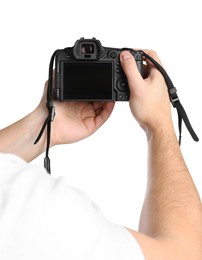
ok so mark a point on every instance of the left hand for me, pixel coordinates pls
(75, 121)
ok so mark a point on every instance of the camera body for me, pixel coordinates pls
(90, 72)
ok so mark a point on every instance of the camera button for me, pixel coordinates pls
(122, 85)
(113, 54)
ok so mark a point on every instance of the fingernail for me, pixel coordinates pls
(125, 55)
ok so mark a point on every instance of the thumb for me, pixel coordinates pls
(130, 69)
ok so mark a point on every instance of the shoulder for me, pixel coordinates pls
(52, 215)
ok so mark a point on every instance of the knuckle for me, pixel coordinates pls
(153, 53)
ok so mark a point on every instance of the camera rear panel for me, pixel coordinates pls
(90, 72)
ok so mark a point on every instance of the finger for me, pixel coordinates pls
(152, 71)
(130, 69)
(97, 105)
(152, 54)
(102, 112)
(146, 70)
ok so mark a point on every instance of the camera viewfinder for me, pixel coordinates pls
(87, 48)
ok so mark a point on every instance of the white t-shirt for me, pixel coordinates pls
(43, 218)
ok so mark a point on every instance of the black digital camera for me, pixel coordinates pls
(90, 72)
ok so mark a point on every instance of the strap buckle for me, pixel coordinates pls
(173, 96)
(51, 110)
(52, 114)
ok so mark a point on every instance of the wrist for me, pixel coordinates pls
(36, 120)
(19, 137)
(160, 130)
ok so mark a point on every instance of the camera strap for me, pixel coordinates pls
(172, 91)
(51, 109)
(50, 117)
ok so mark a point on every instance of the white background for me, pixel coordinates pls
(110, 166)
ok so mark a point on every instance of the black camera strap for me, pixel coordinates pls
(174, 100)
(51, 109)
(51, 115)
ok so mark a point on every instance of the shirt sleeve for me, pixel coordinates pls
(44, 218)
(115, 242)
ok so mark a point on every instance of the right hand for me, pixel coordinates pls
(149, 99)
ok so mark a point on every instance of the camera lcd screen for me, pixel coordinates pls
(87, 80)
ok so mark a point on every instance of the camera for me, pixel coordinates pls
(90, 72)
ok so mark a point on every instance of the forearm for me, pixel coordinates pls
(172, 206)
(19, 137)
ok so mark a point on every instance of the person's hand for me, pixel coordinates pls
(75, 121)
(149, 99)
